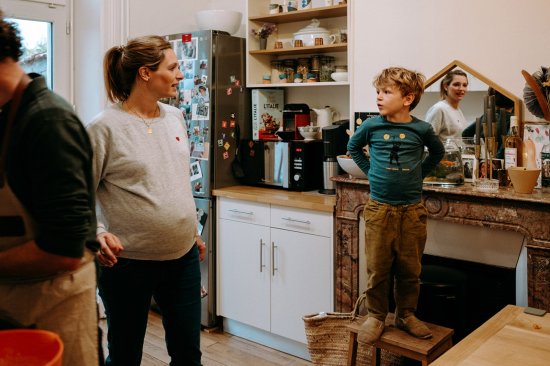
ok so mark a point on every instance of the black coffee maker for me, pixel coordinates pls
(335, 142)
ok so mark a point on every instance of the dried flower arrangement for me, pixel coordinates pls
(536, 93)
(265, 30)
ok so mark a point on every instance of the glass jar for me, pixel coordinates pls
(290, 69)
(303, 66)
(315, 63)
(326, 68)
(277, 67)
(450, 170)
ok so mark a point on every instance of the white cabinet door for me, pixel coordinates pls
(301, 281)
(243, 273)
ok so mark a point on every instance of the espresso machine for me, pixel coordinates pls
(335, 142)
(294, 116)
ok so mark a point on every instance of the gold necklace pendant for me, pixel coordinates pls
(147, 124)
(149, 130)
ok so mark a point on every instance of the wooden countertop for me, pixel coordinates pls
(539, 195)
(312, 200)
(510, 337)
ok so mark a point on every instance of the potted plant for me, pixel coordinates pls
(263, 32)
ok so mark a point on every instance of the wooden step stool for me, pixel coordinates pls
(401, 343)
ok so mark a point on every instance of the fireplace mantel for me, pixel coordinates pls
(528, 214)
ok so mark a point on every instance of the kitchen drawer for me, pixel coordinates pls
(305, 221)
(243, 211)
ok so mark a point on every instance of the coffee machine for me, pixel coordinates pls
(294, 116)
(335, 142)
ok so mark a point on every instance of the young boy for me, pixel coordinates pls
(395, 219)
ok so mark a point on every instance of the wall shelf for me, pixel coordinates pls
(300, 15)
(338, 47)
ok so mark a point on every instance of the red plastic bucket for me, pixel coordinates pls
(30, 347)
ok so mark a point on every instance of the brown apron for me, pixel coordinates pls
(63, 303)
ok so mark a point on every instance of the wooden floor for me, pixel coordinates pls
(218, 349)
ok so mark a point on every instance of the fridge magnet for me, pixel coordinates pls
(203, 65)
(232, 123)
(228, 91)
(226, 146)
(200, 111)
(186, 37)
(232, 79)
(201, 95)
(237, 83)
(196, 172)
(201, 220)
(197, 187)
(189, 49)
(225, 155)
(224, 123)
(220, 142)
(204, 79)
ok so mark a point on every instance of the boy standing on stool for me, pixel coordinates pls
(395, 219)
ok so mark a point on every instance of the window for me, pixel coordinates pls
(46, 33)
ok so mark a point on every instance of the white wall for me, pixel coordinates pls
(88, 77)
(175, 16)
(497, 38)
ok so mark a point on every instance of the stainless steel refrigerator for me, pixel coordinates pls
(216, 106)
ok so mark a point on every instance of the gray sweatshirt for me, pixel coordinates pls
(142, 182)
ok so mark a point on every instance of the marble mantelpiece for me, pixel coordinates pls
(528, 214)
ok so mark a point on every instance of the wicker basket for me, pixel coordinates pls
(328, 340)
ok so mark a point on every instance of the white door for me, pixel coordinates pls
(243, 272)
(302, 281)
(47, 21)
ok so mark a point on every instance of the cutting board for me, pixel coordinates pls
(524, 341)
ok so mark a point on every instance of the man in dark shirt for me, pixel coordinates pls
(47, 220)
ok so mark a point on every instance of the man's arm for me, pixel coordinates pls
(28, 260)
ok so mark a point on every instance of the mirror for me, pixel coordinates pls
(472, 105)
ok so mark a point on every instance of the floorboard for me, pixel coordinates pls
(218, 349)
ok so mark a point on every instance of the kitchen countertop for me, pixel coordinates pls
(539, 195)
(312, 200)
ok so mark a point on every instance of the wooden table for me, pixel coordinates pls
(509, 338)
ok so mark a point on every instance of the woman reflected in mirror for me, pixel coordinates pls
(445, 116)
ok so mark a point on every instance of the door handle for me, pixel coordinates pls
(273, 268)
(241, 212)
(262, 265)
(296, 220)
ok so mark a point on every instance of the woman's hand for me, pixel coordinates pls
(202, 247)
(109, 249)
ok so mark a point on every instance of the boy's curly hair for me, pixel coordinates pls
(407, 81)
(10, 41)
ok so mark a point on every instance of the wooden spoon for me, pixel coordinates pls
(538, 93)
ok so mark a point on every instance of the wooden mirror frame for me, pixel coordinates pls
(517, 101)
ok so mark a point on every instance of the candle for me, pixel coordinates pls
(478, 131)
(488, 123)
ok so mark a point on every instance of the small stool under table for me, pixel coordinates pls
(400, 342)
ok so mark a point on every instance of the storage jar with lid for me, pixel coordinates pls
(290, 68)
(277, 67)
(327, 68)
(303, 66)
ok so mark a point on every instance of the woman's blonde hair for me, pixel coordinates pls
(121, 64)
(448, 79)
(407, 81)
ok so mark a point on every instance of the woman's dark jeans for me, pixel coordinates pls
(126, 290)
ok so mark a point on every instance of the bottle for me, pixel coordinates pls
(545, 165)
(513, 145)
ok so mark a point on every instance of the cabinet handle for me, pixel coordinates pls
(241, 212)
(262, 265)
(296, 220)
(273, 268)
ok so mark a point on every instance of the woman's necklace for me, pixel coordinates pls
(147, 124)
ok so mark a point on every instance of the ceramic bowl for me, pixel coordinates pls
(339, 76)
(222, 20)
(350, 166)
(309, 132)
(523, 179)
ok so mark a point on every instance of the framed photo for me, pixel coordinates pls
(497, 164)
(468, 161)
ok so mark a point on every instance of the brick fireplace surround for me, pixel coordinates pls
(527, 214)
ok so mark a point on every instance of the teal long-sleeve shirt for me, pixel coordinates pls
(397, 165)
